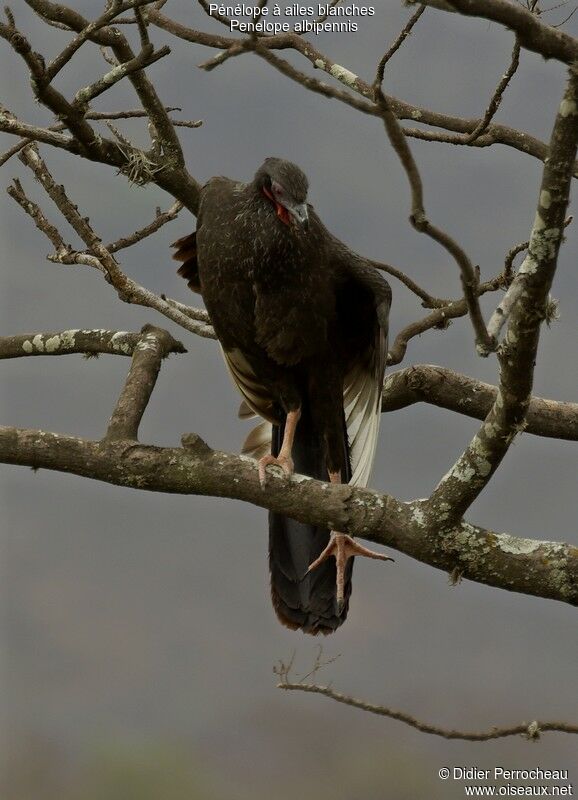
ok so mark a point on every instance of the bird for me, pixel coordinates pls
(302, 321)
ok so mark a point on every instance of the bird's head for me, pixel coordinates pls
(285, 186)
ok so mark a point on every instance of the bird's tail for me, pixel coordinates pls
(303, 600)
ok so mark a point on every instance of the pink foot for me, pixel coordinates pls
(284, 462)
(342, 547)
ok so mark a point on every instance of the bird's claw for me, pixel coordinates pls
(284, 462)
(342, 547)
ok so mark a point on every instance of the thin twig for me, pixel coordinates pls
(494, 103)
(161, 219)
(17, 193)
(530, 731)
(419, 220)
(128, 290)
(145, 58)
(72, 47)
(405, 32)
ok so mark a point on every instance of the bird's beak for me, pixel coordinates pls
(299, 213)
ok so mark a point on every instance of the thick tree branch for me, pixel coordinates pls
(540, 568)
(444, 388)
(517, 355)
(154, 344)
(58, 343)
(533, 34)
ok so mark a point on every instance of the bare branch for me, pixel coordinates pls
(72, 47)
(11, 124)
(161, 219)
(145, 58)
(428, 301)
(100, 115)
(154, 345)
(530, 731)
(439, 318)
(469, 277)
(194, 313)
(519, 248)
(517, 354)
(533, 34)
(444, 388)
(494, 134)
(540, 568)
(405, 32)
(171, 175)
(17, 193)
(58, 343)
(128, 290)
(507, 303)
(496, 99)
(310, 83)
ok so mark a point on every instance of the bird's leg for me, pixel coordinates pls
(343, 547)
(283, 459)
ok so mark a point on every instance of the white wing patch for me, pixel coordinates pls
(256, 396)
(362, 405)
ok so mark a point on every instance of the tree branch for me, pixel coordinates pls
(540, 568)
(170, 173)
(533, 34)
(530, 731)
(58, 343)
(517, 355)
(419, 220)
(494, 133)
(153, 346)
(444, 388)
(162, 217)
(128, 290)
(404, 33)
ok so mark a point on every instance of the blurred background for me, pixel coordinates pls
(137, 637)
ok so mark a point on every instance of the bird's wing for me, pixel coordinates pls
(364, 313)
(362, 391)
(364, 301)
(255, 395)
(186, 251)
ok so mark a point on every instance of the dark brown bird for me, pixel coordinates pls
(302, 321)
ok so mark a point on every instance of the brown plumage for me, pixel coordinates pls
(302, 322)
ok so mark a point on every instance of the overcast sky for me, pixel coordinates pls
(129, 616)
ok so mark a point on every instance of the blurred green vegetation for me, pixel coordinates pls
(116, 771)
(126, 770)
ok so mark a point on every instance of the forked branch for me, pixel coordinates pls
(517, 354)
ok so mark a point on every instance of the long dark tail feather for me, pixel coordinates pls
(305, 601)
